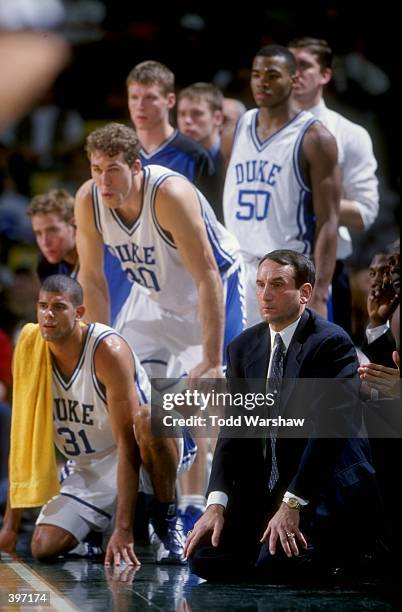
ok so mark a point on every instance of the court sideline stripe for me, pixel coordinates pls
(57, 601)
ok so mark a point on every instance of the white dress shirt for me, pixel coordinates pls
(358, 166)
(219, 497)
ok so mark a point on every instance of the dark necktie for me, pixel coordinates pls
(274, 385)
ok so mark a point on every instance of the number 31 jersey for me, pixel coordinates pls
(266, 203)
(81, 420)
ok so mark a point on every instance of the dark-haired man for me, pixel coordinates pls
(288, 493)
(53, 223)
(282, 182)
(170, 245)
(151, 97)
(200, 117)
(101, 424)
(187, 301)
(359, 194)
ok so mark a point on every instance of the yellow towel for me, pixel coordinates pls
(32, 467)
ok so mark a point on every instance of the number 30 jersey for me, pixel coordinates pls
(266, 202)
(149, 256)
(81, 421)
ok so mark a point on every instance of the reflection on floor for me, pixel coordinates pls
(88, 586)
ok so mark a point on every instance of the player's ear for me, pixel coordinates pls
(218, 118)
(305, 293)
(171, 99)
(79, 312)
(326, 75)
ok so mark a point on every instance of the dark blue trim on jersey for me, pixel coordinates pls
(184, 155)
(98, 386)
(223, 259)
(306, 221)
(84, 503)
(189, 446)
(141, 392)
(152, 198)
(261, 145)
(164, 144)
(127, 228)
(235, 311)
(174, 383)
(95, 208)
(297, 151)
(66, 383)
(160, 361)
(99, 389)
(64, 472)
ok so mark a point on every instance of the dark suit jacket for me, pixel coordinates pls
(307, 467)
(380, 351)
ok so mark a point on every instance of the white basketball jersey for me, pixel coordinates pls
(149, 256)
(81, 420)
(266, 203)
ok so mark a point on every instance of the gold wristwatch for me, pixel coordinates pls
(292, 503)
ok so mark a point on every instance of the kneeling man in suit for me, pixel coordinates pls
(280, 505)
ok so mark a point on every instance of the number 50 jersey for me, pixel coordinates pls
(81, 419)
(266, 203)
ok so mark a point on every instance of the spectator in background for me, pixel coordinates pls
(359, 197)
(383, 416)
(232, 111)
(48, 132)
(52, 217)
(382, 301)
(200, 117)
(151, 97)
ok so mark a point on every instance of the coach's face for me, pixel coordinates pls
(279, 300)
(57, 315)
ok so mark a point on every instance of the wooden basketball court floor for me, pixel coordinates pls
(79, 584)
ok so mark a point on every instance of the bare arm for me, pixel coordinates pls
(178, 212)
(320, 153)
(90, 252)
(350, 216)
(10, 527)
(114, 365)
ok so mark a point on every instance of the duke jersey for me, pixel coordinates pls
(184, 155)
(147, 253)
(188, 157)
(81, 425)
(266, 202)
